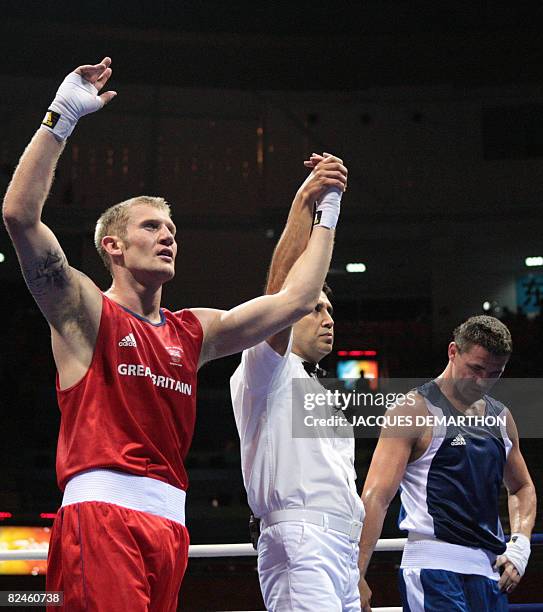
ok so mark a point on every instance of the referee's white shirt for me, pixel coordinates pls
(279, 471)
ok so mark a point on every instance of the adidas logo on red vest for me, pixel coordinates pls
(128, 341)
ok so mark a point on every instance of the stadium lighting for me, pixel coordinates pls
(355, 267)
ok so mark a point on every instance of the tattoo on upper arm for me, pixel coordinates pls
(48, 272)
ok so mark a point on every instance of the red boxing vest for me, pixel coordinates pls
(135, 408)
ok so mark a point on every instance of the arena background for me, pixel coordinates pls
(437, 110)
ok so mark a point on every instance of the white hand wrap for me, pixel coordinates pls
(518, 551)
(75, 98)
(328, 206)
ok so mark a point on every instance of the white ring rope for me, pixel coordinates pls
(196, 550)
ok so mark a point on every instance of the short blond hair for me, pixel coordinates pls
(114, 221)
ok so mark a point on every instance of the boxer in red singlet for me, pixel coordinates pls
(127, 371)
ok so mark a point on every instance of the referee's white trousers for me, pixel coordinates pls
(302, 567)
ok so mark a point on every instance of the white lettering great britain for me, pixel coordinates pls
(133, 369)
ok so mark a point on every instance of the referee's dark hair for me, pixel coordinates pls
(327, 291)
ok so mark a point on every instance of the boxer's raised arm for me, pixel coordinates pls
(326, 171)
(59, 290)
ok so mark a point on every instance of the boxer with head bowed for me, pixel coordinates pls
(450, 474)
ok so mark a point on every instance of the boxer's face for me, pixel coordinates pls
(314, 333)
(475, 370)
(149, 246)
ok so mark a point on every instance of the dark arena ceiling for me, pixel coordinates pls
(278, 45)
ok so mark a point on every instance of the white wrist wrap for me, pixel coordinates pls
(328, 206)
(75, 98)
(518, 551)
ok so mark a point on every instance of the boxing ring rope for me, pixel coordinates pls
(196, 550)
(247, 550)
(223, 550)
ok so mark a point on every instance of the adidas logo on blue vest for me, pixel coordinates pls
(459, 441)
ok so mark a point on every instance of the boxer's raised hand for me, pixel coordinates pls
(77, 96)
